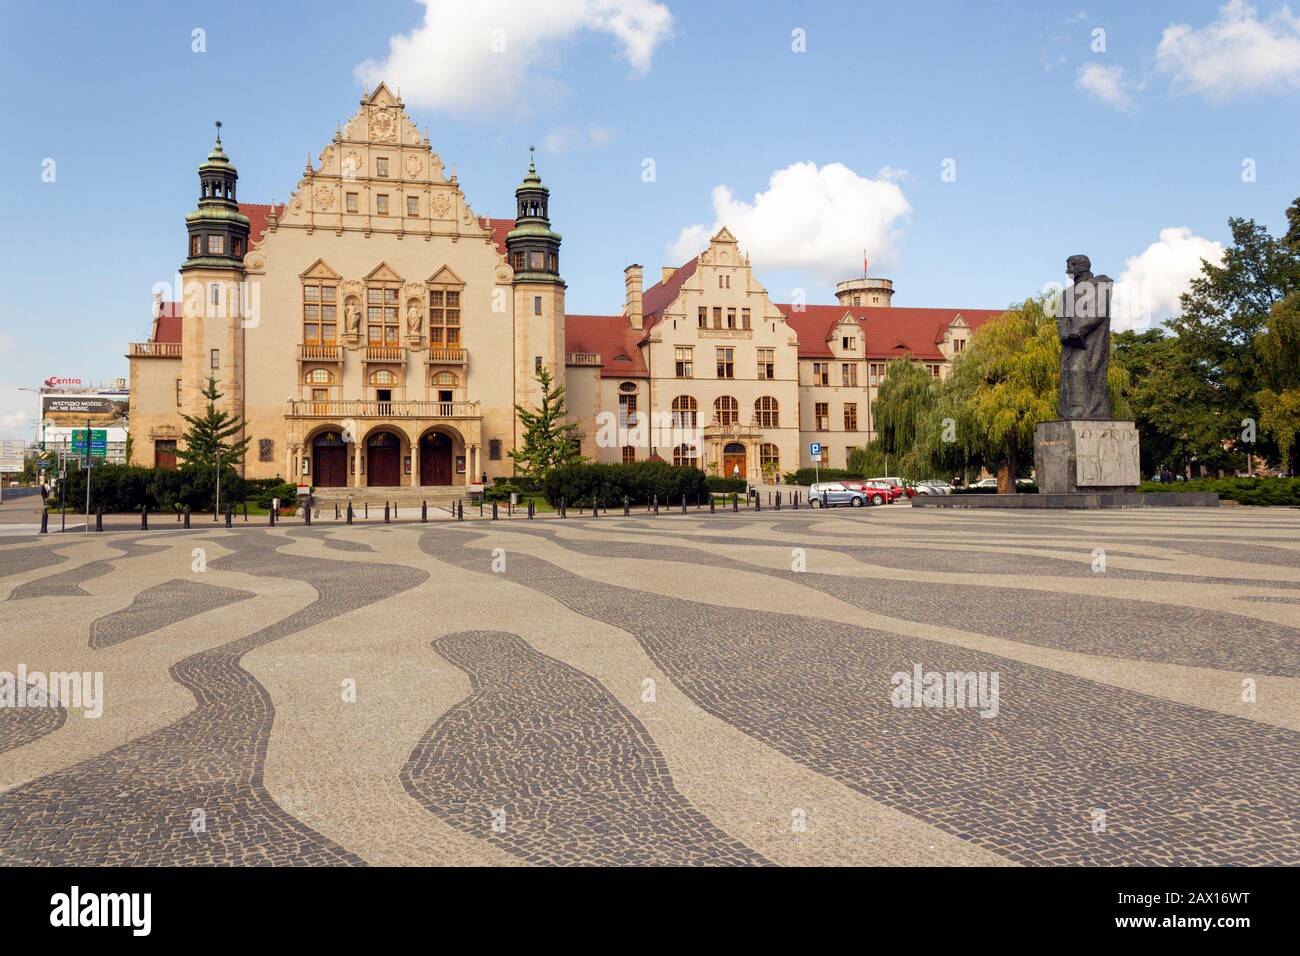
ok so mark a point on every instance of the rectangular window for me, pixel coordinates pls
(444, 318)
(627, 411)
(319, 315)
(537, 305)
(381, 204)
(731, 318)
(216, 244)
(822, 416)
(196, 245)
(179, 383)
(704, 317)
(629, 454)
(717, 316)
(726, 363)
(821, 373)
(959, 345)
(351, 200)
(850, 416)
(412, 205)
(935, 370)
(381, 316)
(767, 363)
(848, 374)
(875, 373)
(536, 261)
(381, 165)
(214, 359)
(685, 356)
(494, 449)
(744, 318)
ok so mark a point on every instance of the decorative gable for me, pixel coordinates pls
(445, 276)
(319, 270)
(383, 273)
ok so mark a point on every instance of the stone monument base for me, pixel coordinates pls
(1089, 500)
(1086, 456)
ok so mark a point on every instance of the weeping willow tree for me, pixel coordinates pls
(1278, 349)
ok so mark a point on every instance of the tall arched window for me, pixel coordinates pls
(766, 412)
(685, 455)
(726, 410)
(685, 411)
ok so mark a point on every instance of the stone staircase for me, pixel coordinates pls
(406, 498)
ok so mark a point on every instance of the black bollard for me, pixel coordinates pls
(144, 519)
(230, 515)
(656, 503)
(460, 510)
(366, 512)
(711, 508)
(595, 508)
(778, 501)
(270, 516)
(45, 521)
(735, 502)
(306, 515)
(394, 509)
(627, 506)
(494, 511)
(99, 519)
(349, 512)
(424, 512)
(683, 502)
(758, 501)
(794, 501)
(387, 520)
(562, 508)
(185, 516)
(531, 508)
(245, 511)
(336, 511)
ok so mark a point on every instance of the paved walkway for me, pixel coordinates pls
(883, 686)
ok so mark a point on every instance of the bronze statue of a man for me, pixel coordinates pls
(1083, 326)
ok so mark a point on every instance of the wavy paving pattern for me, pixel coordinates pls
(19, 727)
(161, 606)
(137, 804)
(542, 761)
(22, 560)
(1180, 786)
(68, 583)
(1112, 627)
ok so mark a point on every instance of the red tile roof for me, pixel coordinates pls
(661, 295)
(889, 332)
(167, 323)
(257, 214)
(612, 338)
(499, 229)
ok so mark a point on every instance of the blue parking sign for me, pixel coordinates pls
(815, 450)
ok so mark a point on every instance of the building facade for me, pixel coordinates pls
(375, 331)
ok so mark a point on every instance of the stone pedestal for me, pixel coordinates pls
(1086, 456)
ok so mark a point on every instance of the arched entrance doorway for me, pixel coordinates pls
(733, 460)
(383, 459)
(435, 459)
(329, 461)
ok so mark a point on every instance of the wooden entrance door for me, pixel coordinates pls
(435, 459)
(383, 460)
(733, 460)
(329, 461)
(164, 454)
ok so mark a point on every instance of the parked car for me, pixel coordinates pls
(906, 487)
(893, 492)
(877, 495)
(831, 493)
(985, 483)
(933, 486)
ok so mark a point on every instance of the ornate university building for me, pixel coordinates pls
(375, 331)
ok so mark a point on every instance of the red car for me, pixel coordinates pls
(909, 490)
(877, 494)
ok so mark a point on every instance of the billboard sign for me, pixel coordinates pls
(101, 408)
(11, 455)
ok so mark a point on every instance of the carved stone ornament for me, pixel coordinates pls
(324, 197)
(265, 449)
(441, 205)
(414, 165)
(383, 126)
(351, 164)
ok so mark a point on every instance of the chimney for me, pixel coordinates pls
(667, 273)
(632, 281)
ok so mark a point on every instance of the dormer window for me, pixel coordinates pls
(959, 345)
(216, 245)
(848, 343)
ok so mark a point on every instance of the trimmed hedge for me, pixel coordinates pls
(727, 485)
(806, 476)
(638, 481)
(1248, 491)
(122, 488)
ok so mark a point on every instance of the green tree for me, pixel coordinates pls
(549, 442)
(212, 434)
(902, 409)
(1278, 352)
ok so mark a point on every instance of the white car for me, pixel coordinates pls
(985, 483)
(933, 486)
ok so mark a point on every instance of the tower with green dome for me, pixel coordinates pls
(218, 231)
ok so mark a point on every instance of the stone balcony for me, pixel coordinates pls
(155, 350)
(446, 356)
(337, 409)
(582, 358)
(320, 353)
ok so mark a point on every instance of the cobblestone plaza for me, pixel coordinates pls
(701, 689)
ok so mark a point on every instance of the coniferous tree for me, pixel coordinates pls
(549, 442)
(211, 432)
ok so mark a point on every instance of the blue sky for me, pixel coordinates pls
(1132, 153)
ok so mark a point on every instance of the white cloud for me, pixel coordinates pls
(810, 219)
(1148, 289)
(1237, 54)
(1106, 84)
(568, 139)
(480, 56)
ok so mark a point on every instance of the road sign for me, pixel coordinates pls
(11, 455)
(815, 450)
(98, 442)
